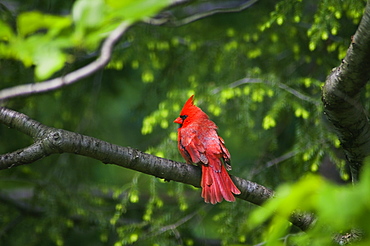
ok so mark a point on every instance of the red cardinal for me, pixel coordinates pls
(199, 143)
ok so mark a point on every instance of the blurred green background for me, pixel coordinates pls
(257, 73)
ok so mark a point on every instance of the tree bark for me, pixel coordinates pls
(341, 97)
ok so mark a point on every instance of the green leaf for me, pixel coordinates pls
(30, 22)
(300, 196)
(6, 32)
(42, 52)
(133, 10)
(48, 62)
(88, 14)
(5, 52)
(268, 122)
(147, 76)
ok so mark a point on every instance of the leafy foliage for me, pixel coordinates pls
(41, 39)
(339, 209)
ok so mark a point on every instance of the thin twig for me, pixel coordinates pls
(298, 94)
(280, 85)
(10, 225)
(273, 162)
(176, 224)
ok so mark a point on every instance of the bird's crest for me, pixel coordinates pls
(190, 109)
(188, 105)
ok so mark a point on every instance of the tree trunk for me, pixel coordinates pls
(341, 97)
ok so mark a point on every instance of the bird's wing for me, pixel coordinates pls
(192, 145)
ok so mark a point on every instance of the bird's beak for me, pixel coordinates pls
(178, 120)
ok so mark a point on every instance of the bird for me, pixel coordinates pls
(200, 144)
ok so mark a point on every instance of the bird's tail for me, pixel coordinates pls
(217, 184)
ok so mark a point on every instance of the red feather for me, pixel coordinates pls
(200, 144)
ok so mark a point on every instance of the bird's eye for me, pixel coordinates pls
(183, 117)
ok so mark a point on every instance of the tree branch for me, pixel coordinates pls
(53, 84)
(341, 97)
(50, 141)
(196, 11)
